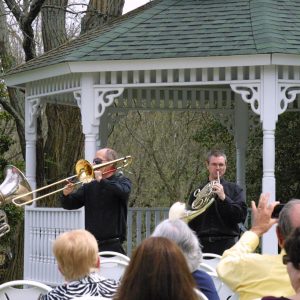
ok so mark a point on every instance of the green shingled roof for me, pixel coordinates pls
(187, 28)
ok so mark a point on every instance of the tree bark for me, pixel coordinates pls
(100, 12)
(61, 151)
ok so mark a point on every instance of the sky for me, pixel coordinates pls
(132, 4)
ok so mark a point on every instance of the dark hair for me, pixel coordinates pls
(285, 225)
(215, 152)
(292, 248)
(157, 270)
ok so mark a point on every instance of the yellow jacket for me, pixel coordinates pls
(254, 275)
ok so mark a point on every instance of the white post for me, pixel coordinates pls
(93, 102)
(269, 117)
(90, 125)
(32, 109)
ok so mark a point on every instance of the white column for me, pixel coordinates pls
(241, 131)
(269, 116)
(32, 109)
(93, 101)
(90, 125)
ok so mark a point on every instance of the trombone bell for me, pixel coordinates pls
(14, 185)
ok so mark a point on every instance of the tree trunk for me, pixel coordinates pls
(100, 12)
(61, 151)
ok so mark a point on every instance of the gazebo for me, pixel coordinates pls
(239, 59)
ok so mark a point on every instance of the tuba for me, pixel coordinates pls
(14, 184)
(4, 227)
(204, 198)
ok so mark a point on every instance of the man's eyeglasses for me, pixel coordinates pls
(97, 161)
(285, 259)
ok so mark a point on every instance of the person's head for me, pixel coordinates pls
(76, 253)
(105, 155)
(157, 270)
(288, 220)
(179, 232)
(177, 210)
(216, 161)
(292, 258)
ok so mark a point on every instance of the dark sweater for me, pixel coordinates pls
(105, 205)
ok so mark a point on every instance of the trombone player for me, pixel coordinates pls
(105, 200)
(217, 227)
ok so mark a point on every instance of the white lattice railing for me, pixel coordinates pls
(43, 225)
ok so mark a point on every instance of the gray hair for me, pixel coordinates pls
(179, 232)
(285, 224)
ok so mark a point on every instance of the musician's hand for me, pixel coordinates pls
(98, 175)
(69, 188)
(261, 215)
(219, 190)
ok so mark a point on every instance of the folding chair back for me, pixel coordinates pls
(22, 290)
(112, 254)
(111, 268)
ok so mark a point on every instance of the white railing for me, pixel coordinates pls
(43, 225)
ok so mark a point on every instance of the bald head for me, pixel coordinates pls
(107, 154)
(289, 219)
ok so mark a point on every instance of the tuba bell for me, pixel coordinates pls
(4, 227)
(14, 184)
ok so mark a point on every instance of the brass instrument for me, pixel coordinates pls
(204, 199)
(20, 196)
(14, 184)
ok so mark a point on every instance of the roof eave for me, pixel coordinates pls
(21, 78)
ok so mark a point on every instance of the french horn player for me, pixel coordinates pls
(222, 207)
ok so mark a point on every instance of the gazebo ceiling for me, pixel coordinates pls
(179, 29)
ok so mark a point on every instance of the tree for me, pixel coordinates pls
(51, 148)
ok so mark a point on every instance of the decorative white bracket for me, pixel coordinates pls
(77, 96)
(287, 94)
(105, 97)
(250, 93)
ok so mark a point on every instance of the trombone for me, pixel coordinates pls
(18, 183)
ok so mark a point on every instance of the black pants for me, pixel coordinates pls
(217, 245)
(111, 245)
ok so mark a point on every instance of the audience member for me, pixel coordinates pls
(157, 270)
(179, 232)
(254, 275)
(77, 257)
(292, 260)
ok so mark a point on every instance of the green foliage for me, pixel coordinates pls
(5, 141)
(288, 156)
(216, 136)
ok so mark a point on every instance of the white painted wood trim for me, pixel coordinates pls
(125, 65)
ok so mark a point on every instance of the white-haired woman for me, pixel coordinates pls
(179, 232)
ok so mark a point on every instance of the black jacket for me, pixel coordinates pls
(105, 205)
(222, 217)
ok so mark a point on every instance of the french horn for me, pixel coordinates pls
(204, 198)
